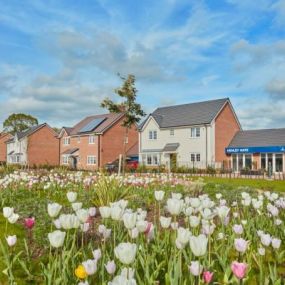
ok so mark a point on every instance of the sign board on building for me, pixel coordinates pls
(255, 149)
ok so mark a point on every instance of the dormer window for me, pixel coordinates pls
(152, 135)
(66, 140)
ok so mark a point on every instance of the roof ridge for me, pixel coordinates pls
(193, 103)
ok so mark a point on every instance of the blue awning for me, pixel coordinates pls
(257, 149)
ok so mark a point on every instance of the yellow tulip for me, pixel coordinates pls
(80, 272)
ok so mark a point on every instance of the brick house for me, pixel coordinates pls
(192, 135)
(95, 141)
(36, 146)
(3, 151)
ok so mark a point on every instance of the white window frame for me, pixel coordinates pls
(194, 134)
(91, 160)
(152, 134)
(154, 159)
(66, 140)
(78, 139)
(195, 155)
(91, 139)
(65, 159)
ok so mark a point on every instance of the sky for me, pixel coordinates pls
(60, 58)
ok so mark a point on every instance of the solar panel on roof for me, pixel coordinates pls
(92, 125)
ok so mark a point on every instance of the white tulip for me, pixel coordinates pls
(141, 226)
(76, 206)
(174, 206)
(176, 196)
(105, 212)
(183, 236)
(238, 229)
(85, 227)
(198, 244)
(126, 252)
(90, 266)
(56, 238)
(241, 245)
(54, 209)
(69, 221)
(71, 196)
(276, 243)
(130, 220)
(165, 222)
(13, 218)
(97, 254)
(7, 212)
(116, 213)
(195, 268)
(11, 240)
(265, 239)
(111, 267)
(83, 215)
(159, 195)
(195, 202)
(134, 233)
(223, 212)
(92, 212)
(194, 221)
(261, 251)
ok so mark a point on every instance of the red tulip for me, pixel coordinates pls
(29, 223)
(239, 269)
(208, 276)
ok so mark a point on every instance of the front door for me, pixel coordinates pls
(173, 160)
(74, 162)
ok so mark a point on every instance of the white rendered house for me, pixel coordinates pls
(192, 135)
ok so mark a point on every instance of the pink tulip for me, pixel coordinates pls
(239, 269)
(208, 276)
(29, 223)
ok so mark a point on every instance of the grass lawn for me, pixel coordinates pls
(273, 185)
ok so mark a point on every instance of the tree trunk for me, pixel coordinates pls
(125, 151)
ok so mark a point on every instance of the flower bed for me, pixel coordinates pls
(66, 228)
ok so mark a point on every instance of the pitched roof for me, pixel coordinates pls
(264, 137)
(109, 120)
(170, 147)
(31, 130)
(188, 114)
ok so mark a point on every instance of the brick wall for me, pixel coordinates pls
(112, 142)
(3, 149)
(85, 149)
(43, 147)
(226, 127)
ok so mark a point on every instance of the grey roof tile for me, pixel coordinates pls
(188, 114)
(264, 137)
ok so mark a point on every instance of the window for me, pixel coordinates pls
(66, 140)
(152, 159)
(278, 162)
(172, 132)
(152, 135)
(91, 159)
(248, 161)
(65, 159)
(195, 132)
(195, 157)
(18, 158)
(78, 139)
(263, 161)
(91, 139)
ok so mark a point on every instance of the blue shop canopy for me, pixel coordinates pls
(255, 149)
